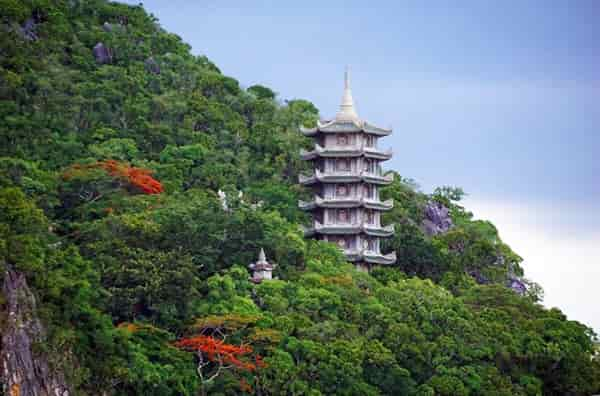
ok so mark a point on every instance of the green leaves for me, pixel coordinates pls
(119, 275)
(23, 231)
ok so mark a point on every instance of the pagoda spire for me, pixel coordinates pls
(347, 111)
(262, 258)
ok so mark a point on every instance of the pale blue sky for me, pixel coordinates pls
(501, 98)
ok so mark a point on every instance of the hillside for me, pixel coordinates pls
(119, 255)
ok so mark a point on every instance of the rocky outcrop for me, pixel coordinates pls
(152, 65)
(437, 219)
(517, 285)
(23, 371)
(479, 277)
(28, 30)
(103, 54)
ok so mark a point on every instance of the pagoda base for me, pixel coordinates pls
(362, 266)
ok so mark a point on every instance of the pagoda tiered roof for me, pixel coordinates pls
(345, 177)
(350, 229)
(349, 151)
(346, 202)
(346, 126)
(370, 257)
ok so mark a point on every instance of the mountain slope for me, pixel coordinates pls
(115, 142)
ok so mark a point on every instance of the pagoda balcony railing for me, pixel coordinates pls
(352, 201)
(337, 229)
(376, 178)
(370, 256)
(353, 254)
(371, 203)
(338, 176)
(307, 179)
(346, 177)
(350, 229)
(378, 258)
(345, 151)
(372, 152)
(374, 230)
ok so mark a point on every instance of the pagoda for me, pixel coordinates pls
(262, 269)
(345, 182)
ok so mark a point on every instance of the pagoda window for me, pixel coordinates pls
(371, 244)
(350, 242)
(342, 216)
(368, 191)
(319, 217)
(369, 141)
(341, 242)
(369, 217)
(343, 164)
(341, 190)
(320, 165)
(342, 139)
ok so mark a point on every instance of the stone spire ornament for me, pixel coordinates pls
(262, 269)
(347, 111)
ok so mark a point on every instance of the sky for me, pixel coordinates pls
(500, 98)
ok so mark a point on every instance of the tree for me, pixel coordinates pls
(214, 355)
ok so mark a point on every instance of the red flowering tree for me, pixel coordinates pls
(214, 354)
(139, 178)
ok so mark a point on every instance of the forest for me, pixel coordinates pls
(124, 271)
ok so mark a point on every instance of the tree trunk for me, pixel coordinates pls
(24, 372)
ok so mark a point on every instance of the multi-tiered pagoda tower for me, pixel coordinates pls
(346, 179)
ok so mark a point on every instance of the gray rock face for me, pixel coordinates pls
(437, 219)
(517, 285)
(103, 54)
(152, 66)
(24, 372)
(479, 277)
(27, 30)
(107, 27)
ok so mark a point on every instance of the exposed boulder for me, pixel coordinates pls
(107, 27)
(437, 219)
(103, 54)
(517, 285)
(28, 30)
(25, 372)
(152, 65)
(479, 277)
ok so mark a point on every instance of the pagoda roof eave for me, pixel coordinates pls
(346, 152)
(383, 232)
(345, 126)
(338, 230)
(379, 205)
(319, 202)
(370, 257)
(382, 259)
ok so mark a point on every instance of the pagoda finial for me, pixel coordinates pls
(261, 256)
(347, 78)
(347, 111)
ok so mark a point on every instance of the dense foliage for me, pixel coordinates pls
(110, 169)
